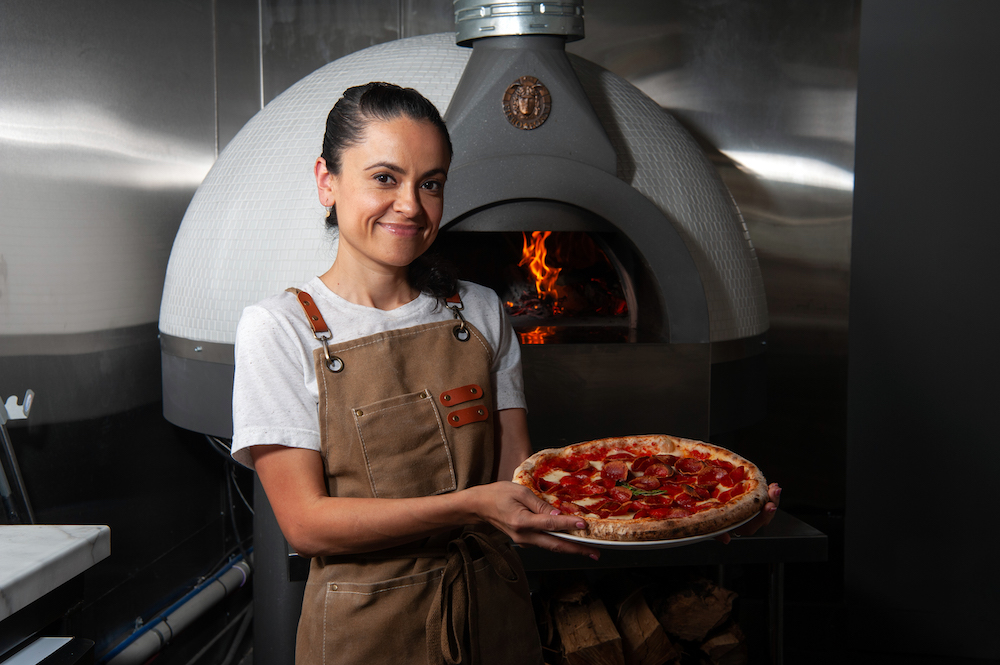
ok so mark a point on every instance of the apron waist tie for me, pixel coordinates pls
(453, 620)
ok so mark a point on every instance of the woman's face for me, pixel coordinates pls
(389, 193)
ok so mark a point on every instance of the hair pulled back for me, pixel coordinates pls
(345, 127)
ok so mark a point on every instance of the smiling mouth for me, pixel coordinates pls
(401, 230)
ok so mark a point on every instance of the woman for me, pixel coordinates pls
(402, 508)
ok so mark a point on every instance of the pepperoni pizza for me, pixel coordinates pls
(643, 488)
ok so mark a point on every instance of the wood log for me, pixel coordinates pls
(644, 642)
(692, 613)
(726, 648)
(588, 634)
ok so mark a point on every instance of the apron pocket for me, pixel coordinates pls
(405, 448)
(377, 623)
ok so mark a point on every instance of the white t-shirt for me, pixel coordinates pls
(275, 392)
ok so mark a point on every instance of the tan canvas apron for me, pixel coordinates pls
(408, 413)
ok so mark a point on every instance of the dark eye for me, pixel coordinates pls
(384, 178)
(433, 185)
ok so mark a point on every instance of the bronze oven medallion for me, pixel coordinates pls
(527, 103)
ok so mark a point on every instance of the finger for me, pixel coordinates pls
(774, 493)
(560, 546)
(763, 518)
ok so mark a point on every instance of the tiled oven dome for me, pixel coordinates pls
(255, 226)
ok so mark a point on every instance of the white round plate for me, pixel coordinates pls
(646, 544)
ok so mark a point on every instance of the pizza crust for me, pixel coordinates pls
(711, 520)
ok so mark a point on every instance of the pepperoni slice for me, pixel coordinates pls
(545, 486)
(593, 490)
(570, 507)
(623, 509)
(642, 512)
(669, 513)
(647, 483)
(659, 470)
(571, 464)
(723, 464)
(615, 470)
(620, 494)
(570, 481)
(689, 465)
(619, 454)
(738, 474)
(711, 477)
(606, 483)
(672, 489)
(641, 463)
(666, 459)
(685, 500)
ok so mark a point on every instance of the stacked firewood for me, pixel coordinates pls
(627, 623)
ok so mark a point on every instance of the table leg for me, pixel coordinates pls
(776, 612)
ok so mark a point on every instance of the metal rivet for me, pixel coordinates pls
(334, 587)
(423, 395)
(473, 391)
(447, 398)
(480, 412)
(454, 419)
(359, 412)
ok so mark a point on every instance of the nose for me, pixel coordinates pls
(408, 202)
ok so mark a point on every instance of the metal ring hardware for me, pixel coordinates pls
(461, 331)
(333, 363)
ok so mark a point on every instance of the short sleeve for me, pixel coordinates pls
(508, 380)
(272, 399)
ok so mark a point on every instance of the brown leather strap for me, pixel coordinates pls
(461, 395)
(472, 414)
(312, 312)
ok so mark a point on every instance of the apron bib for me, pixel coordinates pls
(408, 413)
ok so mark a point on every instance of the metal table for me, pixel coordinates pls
(785, 540)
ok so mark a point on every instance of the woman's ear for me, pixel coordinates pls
(326, 184)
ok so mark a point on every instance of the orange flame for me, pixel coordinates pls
(533, 255)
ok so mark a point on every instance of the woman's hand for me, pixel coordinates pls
(763, 518)
(516, 511)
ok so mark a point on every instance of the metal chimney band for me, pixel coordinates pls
(482, 18)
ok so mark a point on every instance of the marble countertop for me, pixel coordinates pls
(36, 559)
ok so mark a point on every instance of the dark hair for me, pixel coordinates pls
(345, 127)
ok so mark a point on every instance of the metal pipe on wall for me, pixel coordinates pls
(155, 636)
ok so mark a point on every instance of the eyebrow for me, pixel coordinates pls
(400, 170)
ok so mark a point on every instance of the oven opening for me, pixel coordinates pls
(559, 287)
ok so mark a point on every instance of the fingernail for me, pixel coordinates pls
(581, 525)
(778, 493)
(772, 509)
(554, 512)
(595, 557)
